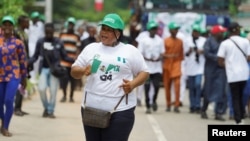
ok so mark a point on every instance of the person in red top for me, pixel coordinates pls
(172, 66)
(13, 70)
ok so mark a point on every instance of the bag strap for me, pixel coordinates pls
(239, 48)
(46, 56)
(116, 104)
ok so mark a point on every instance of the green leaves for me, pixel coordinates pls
(13, 7)
(62, 9)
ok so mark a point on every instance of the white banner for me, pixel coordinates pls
(185, 20)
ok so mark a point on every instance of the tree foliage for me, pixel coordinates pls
(67, 8)
(62, 9)
(14, 8)
(232, 8)
(84, 9)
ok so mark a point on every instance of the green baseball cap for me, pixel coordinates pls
(243, 33)
(42, 17)
(8, 18)
(196, 27)
(72, 20)
(151, 24)
(203, 30)
(113, 20)
(35, 14)
(173, 25)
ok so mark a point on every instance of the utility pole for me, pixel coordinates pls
(48, 10)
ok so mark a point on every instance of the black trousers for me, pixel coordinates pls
(18, 101)
(64, 84)
(237, 94)
(154, 79)
(120, 127)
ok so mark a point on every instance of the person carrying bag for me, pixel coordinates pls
(111, 71)
(50, 50)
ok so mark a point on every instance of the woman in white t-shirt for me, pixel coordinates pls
(113, 69)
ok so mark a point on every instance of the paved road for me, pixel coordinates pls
(158, 126)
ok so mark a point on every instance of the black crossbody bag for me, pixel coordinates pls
(56, 70)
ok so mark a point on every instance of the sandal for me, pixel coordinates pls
(5, 132)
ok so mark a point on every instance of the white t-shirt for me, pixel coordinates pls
(110, 66)
(141, 35)
(84, 35)
(35, 32)
(152, 48)
(236, 64)
(192, 66)
(185, 40)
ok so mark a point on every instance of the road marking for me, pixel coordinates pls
(160, 136)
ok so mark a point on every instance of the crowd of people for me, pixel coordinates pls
(212, 65)
(29, 47)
